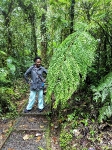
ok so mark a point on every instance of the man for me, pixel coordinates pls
(36, 82)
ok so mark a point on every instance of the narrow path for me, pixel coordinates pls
(30, 132)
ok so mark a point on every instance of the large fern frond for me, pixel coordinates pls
(69, 62)
(103, 94)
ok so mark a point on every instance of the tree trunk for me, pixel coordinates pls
(31, 17)
(72, 16)
(33, 35)
(8, 33)
(43, 33)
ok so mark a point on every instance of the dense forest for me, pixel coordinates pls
(74, 40)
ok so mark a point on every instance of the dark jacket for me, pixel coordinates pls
(36, 77)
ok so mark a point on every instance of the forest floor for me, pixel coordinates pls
(37, 131)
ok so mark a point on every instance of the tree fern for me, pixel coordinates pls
(103, 94)
(69, 62)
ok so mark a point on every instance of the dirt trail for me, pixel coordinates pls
(30, 132)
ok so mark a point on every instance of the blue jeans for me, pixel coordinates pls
(32, 99)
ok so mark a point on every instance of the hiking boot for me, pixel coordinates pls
(40, 110)
(26, 111)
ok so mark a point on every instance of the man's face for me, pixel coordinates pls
(38, 63)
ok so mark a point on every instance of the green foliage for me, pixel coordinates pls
(10, 97)
(103, 95)
(68, 66)
(3, 53)
(11, 67)
(3, 75)
(40, 148)
(6, 105)
(73, 56)
(7, 73)
(65, 139)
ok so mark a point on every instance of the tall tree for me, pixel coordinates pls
(29, 10)
(72, 16)
(7, 19)
(43, 32)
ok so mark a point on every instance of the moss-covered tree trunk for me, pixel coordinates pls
(33, 34)
(43, 33)
(29, 10)
(7, 32)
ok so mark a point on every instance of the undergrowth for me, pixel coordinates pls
(9, 97)
(103, 97)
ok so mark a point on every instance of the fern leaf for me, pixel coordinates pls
(105, 111)
(69, 61)
(103, 93)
